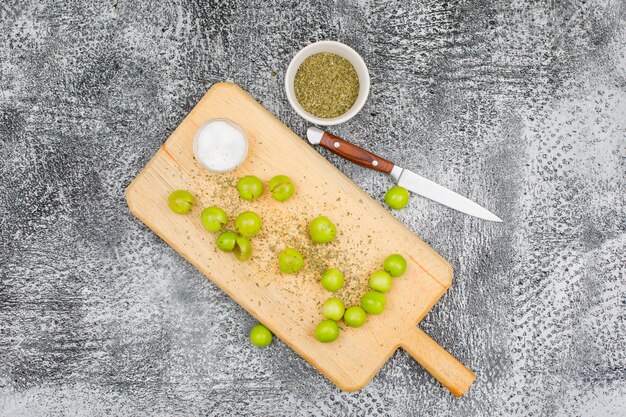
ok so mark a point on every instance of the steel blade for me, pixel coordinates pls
(431, 190)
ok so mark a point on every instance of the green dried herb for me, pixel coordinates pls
(326, 85)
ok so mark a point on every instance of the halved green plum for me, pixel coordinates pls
(213, 218)
(250, 187)
(281, 187)
(180, 201)
(242, 249)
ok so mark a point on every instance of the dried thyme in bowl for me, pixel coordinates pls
(326, 85)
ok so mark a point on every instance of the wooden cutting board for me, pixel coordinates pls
(290, 305)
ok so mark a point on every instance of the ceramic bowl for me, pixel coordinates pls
(336, 48)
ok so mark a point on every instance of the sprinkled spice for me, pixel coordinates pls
(326, 85)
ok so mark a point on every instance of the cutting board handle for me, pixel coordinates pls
(446, 369)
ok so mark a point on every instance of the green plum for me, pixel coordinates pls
(227, 240)
(250, 187)
(322, 230)
(395, 264)
(333, 309)
(213, 218)
(332, 279)
(373, 302)
(290, 261)
(260, 336)
(327, 331)
(281, 187)
(381, 281)
(248, 223)
(397, 197)
(180, 201)
(354, 316)
(242, 249)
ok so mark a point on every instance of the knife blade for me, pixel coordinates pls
(401, 176)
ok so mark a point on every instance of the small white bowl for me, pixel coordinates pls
(220, 145)
(343, 51)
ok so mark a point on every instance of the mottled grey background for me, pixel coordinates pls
(520, 105)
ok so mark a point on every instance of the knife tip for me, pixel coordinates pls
(496, 219)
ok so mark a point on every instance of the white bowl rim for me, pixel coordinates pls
(356, 61)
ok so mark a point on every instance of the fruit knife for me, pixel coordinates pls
(401, 176)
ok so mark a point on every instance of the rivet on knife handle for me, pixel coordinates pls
(349, 151)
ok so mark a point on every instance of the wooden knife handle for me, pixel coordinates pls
(355, 154)
(446, 369)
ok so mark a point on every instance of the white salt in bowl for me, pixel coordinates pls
(220, 146)
(342, 50)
